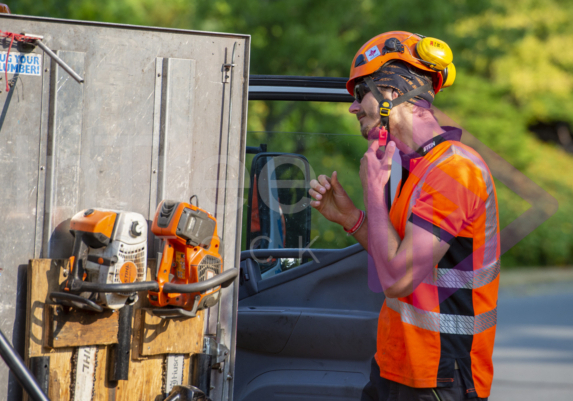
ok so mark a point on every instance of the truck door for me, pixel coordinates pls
(307, 318)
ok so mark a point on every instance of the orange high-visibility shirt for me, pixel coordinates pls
(451, 316)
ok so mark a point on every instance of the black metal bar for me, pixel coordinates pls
(253, 150)
(301, 97)
(201, 372)
(298, 81)
(285, 88)
(17, 366)
(67, 299)
(85, 286)
(224, 280)
(296, 253)
(40, 367)
(120, 351)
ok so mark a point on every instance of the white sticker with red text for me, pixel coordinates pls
(371, 53)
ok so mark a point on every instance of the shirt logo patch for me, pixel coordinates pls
(429, 146)
(372, 53)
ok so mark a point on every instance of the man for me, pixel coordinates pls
(435, 251)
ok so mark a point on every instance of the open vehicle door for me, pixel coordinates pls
(308, 330)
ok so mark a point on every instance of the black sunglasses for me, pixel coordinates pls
(360, 90)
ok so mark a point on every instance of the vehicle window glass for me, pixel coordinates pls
(328, 136)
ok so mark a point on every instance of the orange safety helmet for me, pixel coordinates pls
(427, 54)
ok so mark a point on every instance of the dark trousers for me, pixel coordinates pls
(381, 389)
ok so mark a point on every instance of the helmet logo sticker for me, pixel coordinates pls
(372, 53)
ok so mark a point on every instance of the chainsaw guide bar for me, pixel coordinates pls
(84, 365)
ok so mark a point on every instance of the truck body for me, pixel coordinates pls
(161, 114)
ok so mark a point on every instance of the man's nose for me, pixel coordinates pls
(354, 107)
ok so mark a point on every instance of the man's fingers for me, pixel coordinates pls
(334, 180)
(324, 181)
(314, 194)
(390, 149)
(373, 147)
(314, 184)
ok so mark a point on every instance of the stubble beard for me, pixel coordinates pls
(366, 128)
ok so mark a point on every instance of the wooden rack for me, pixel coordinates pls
(52, 332)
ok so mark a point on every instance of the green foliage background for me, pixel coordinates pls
(514, 69)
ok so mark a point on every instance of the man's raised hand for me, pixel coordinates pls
(332, 201)
(375, 170)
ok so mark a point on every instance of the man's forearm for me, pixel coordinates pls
(378, 236)
(362, 234)
(385, 241)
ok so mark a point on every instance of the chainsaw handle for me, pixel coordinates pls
(64, 298)
(85, 286)
(224, 280)
(80, 252)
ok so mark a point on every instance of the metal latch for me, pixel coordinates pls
(218, 351)
(37, 40)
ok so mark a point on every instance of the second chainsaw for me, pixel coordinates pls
(190, 262)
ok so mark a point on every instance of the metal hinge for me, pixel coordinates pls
(218, 351)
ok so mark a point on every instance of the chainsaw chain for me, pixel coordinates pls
(73, 373)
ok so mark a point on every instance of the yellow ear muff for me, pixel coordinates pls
(449, 75)
(436, 52)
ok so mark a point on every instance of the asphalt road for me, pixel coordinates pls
(533, 354)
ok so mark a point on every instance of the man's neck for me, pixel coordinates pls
(411, 137)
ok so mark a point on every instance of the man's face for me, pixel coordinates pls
(367, 111)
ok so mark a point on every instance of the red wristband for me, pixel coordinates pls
(358, 224)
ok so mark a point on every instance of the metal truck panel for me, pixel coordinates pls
(151, 121)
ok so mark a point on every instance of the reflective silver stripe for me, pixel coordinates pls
(441, 322)
(486, 274)
(412, 315)
(485, 320)
(454, 278)
(456, 324)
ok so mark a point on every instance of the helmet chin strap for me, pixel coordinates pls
(386, 105)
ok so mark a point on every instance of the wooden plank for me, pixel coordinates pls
(170, 336)
(186, 367)
(60, 375)
(145, 381)
(145, 371)
(78, 328)
(44, 276)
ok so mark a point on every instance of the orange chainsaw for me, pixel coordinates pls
(190, 268)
